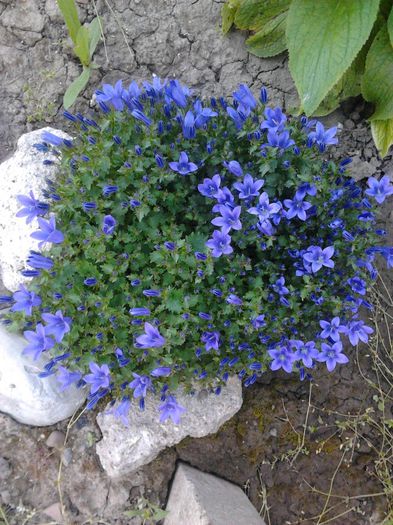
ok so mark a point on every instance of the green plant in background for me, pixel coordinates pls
(85, 39)
(147, 511)
(337, 49)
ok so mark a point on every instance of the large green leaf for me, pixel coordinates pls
(270, 40)
(377, 85)
(390, 26)
(75, 88)
(82, 47)
(95, 32)
(324, 38)
(382, 131)
(70, 14)
(228, 16)
(254, 14)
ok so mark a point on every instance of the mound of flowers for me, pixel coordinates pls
(186, 240)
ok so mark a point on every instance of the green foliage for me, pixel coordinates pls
(147, 511)
(337, 49)
(85, 39)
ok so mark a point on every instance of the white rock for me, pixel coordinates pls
(124, 449)
(197, 498)
(26, 397)
(22, 172)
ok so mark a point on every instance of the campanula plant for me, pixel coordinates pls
(186, 240)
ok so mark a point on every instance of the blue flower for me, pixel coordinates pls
(203, 115)
(47, 232)
(178, 93)
(113, 95)
(90, 281)
(108, 189)
(264, 209)
(67, 378)
(38, 261)
(279, 140)
(171, 409)
(279, 287)
(234, 167)
(305, 352)
(151, 338)
(234, 299)
(57, 324)
(139, 312)
(224, 197)
(306, 189)
(100, 377)
(297, 208)
(189, 126)
(87, 206)
(238, 117)
(32, 207)
(52, 139)
(211, 340)
(38, 342)
(244, 97)
(323, 138)
(25, 300)
(357, 331)
(220, 244)
(140, 384)
(183, 166)
(275, 119)
(229, 219)
(332, 329)
(108, 224)
(122, 410)
(331, 355)
(139, 115)
(248, 188)
(210, 187)
(319, 257)
(151, 293)
(379, 189)
(282, 358)
(258, 322)
(357, 285)
(161, 371)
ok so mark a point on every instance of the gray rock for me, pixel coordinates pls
(23, 172)
(124, 449)
(197, 498)
(26, 397)
(55, 440)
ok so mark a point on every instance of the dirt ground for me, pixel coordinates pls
(324, 474)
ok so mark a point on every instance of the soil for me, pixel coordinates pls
(262, 448)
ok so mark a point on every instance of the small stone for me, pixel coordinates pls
(55, 440)
(54, 512)
(197, 498)
(5, 469)
(124, 450)
(349, 124)
(360, 169)
(66, 456)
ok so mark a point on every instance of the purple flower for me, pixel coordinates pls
(170, 408)
(52, 139)
(66, 377)
(258, 322)
(264, 209)
(282, 358)
(178, 93)
(244, 97)
(183, 166)
(279, 140)
(139, 312)
(224, 197)
(100, 377)
(32, 207)
(248, 188)
(38, 342)
(306, 189)
(275, 119)
(122, 410)
(379, 189)
(151, 338)
(357, 331)
(279, 287)
(305, 352)
(47, 232)
(331, 355)
(90, 281)
(234, 299)
(321, 137)
(229, 219)
(113, 95)
(139, 115)
(357, 285)
(319, 257)
(189, 130)
(210, 187)
(203, 115)
(108, 225)
(25, 300)
(331, 329)
(234, 167)
(108, 189)
(151, 293)
(38, 261)
(211, 340)
(161, 371)
(140, 384)
(297, 208)
(220, 244)
(57, 324)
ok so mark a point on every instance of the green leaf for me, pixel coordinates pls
(390, 26)
(254, 14)
(227, 16)
(81, 48)
(382, 132)
(75, 88)
(323, 40)
(95, 34)
(270, 40)
(378, 76)
(70, 14)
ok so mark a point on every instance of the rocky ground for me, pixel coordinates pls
(263, 448)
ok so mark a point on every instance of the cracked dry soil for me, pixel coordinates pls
(182, 38)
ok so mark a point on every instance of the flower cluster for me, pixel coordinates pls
(188, 240)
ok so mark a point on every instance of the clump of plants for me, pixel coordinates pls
(185, 241)
(337, 49)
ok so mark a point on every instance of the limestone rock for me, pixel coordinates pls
(20, 174)
(26, 397)
(124, 449)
